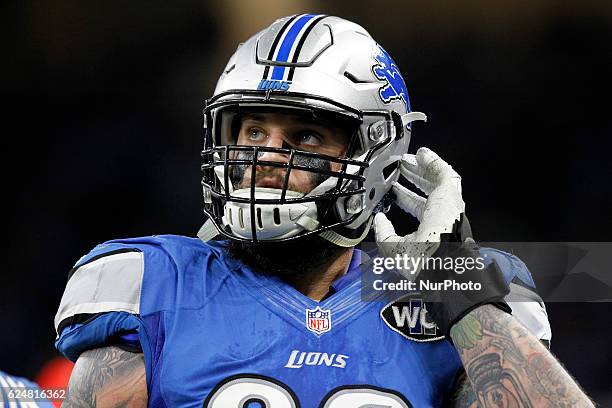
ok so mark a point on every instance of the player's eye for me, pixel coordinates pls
(309, 138)
(256, 135)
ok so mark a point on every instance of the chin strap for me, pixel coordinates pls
(342, 241)
(208, 231)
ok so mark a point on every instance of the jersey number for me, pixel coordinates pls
(257, 391)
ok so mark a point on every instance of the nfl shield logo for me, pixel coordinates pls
(318, 320)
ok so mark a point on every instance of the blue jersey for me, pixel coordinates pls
(17, 392)
(216, 334)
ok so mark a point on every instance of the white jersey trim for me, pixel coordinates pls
(110, 283)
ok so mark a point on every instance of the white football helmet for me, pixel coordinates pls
(328, 68)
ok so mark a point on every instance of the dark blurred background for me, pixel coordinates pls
(102, 131)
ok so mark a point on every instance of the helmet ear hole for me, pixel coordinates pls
(399, 127)
(389, 170)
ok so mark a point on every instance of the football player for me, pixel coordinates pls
(306, 137)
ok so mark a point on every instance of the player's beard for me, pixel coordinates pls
(300, 261)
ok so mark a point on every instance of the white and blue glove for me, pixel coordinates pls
(443, 232)
(437, 214)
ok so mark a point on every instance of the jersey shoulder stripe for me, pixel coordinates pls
(119, 284)
(107, 282)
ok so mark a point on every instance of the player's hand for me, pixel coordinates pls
(442, 219)
(437, 213)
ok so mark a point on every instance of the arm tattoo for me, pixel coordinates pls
(463, 396)
(107, 377)
(508, 366)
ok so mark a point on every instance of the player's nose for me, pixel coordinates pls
(276, 139)
(273, 176)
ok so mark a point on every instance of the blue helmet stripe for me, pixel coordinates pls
(275, 43)
(287, 44)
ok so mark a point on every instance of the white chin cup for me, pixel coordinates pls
(272, 221)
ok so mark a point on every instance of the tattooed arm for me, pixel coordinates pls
(463, 395)
(107, 377)
(508, 366)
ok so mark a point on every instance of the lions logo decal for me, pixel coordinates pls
(386, 70)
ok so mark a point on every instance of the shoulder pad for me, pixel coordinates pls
(104, 294)
(124, 285)
(527, 306)
(511, 266)
(114, 276)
